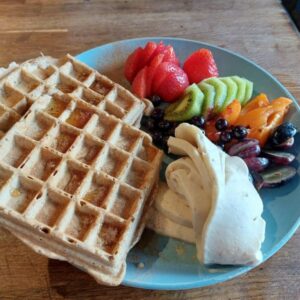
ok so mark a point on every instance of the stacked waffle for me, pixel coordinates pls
(76, 175)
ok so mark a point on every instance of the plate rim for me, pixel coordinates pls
(223, 277)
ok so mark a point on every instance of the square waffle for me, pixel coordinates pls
(21, 85)
(75, 177)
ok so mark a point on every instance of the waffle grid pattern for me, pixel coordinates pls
(71, 168)
(24, 84)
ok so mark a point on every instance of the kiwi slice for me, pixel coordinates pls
(209, 97)
(232, 90)
(188, 106)
(241, 83)
(221, 92)
(249, 91)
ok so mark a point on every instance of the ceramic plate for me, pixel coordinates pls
(168, 263)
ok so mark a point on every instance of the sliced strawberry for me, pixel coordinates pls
(160, 62)
(200, 65)
(160, 48)
(148, 53)
(162, 71)
(142, 57)
(170, 56)
(172, 84)
(139, 85)
(156, 61)
(173, 87)
(132, 64)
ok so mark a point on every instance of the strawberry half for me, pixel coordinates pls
(142, 57)
(169, 81)
(156, 61)
(139, 84)
(200, 65)
(148, 54)
(133, 63)
(170, 56)
(159, 49)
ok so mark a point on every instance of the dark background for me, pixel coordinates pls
(293, 8)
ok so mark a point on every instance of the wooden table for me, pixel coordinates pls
(260, 30)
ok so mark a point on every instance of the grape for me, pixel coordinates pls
(239, 132)
(221, 125)
(157, 114)
(225, 137)
(282, 133)
(198, 121)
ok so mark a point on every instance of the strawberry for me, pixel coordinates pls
(161, 73)
(139, 85)
(159, 49)
(142, 57)
(169, 81)
(173, 86)
(167, 55)
(148, 54)
(170, 56)
(138, 59)
(156, 61)
(147, 68)
(200, 65)
(132, 64)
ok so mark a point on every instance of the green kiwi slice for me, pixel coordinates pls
(249, 91)
(232, 90)
(241, 83)
(209, 97)
(188, 106)
(221, 92)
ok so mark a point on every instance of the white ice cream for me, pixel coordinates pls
(210, 201)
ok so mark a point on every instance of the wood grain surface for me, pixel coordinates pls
(259, 30)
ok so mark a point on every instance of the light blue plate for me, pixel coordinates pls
(171, 264)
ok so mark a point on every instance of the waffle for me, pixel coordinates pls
(21, 85)
(75, 176)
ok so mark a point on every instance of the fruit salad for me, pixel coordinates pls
(248, 126)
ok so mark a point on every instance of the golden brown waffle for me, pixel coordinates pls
(74, 177)
(21, 85)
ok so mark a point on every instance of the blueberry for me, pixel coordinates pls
(157, 114)
(156, 100)
(221, 124)
(144, 121)
(239, 132)
(220, 144)
(171, 132)
(164, 144)
(157, 138)
(164, 125)
(225, 137)
(148, 123)
(198, 121)
(282, 133)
